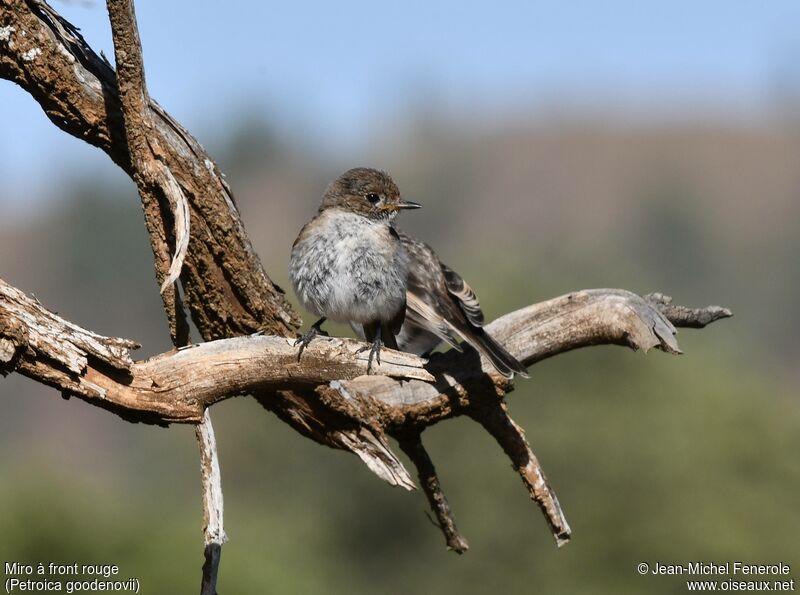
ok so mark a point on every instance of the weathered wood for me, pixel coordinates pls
(176, 386)
(226, 288)
(531, 334)
(29, 328)
(429, 479)
(213, 506)
(161, 195)
(409, 393)
(493, 415)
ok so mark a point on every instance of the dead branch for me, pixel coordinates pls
(150, 172)
(428, 478)
(226, 288)
(177, 386)
(341, 406)
(213, 525)
(579, 319)
(348, 406)
(495, 418)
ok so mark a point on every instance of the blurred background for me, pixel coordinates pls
(555, 146)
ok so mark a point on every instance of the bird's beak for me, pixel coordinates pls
(407, 204)
(402, 204)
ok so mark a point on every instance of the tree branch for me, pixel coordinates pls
(213, 526)
(177, 386)
(495, 418)
(531, 334)
(226, 288)
(334, 401)
(412, 446)
(156, 182)
(151, 174)
(687, 317)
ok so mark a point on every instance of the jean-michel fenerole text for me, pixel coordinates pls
(725, 568)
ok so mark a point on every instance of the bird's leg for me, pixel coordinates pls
(372, 332)
(376, 350)
(304, 340)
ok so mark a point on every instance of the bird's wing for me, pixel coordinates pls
(440, 302)
(422, 315)
(464, 296)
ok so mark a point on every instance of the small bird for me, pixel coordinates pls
(349, 264)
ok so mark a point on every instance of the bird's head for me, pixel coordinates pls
(368, 192)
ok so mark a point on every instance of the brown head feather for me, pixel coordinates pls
(368, 192)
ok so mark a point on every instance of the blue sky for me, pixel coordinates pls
(335, 69)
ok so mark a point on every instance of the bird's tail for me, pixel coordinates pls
(505, 363)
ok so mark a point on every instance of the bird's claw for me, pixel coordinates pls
(374, 352)
(307, 337)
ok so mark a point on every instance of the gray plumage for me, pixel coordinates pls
(349, 268)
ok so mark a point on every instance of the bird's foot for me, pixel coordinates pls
(374, 352)
(305, 339)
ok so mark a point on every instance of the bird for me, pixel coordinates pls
(348, 263)
(441, 306)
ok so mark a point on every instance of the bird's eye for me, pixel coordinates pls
(372, 197)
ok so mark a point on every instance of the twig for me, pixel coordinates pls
(213, 526)
(494, 417)
(412, 446)
(131, 80)
(688, 317)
